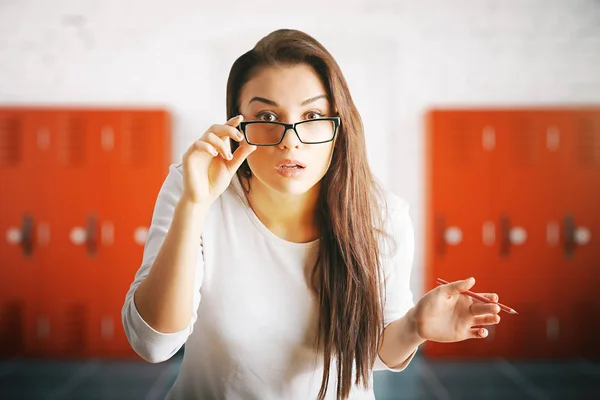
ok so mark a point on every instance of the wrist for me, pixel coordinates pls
(413, 327)
(189, 204)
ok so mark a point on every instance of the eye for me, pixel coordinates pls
(266, 116)
(314, 114)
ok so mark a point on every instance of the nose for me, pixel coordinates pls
(290, 140)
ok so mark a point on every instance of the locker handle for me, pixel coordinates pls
(440, 240)
(575, 236)
(27, 236)
(569, 244)
(91, 237)
(504, 236)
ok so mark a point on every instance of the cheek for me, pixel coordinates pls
(322, 157)
(259, 159)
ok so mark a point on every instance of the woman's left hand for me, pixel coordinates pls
(446, 315)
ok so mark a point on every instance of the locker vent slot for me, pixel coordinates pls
(588, 142)
(11, 329)
(135, 141)
(526, 143)
(10, 141)
(75, 332)
(72, 142)
(461, 144)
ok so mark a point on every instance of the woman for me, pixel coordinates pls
(273, 254)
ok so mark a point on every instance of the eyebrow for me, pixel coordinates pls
(274, 104)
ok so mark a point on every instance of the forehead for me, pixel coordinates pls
(284, 84)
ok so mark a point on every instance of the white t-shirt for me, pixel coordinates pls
(254, 315)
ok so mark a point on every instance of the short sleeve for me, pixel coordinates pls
(397, 269)
(151, 345)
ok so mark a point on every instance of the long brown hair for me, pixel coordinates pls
(347, 277)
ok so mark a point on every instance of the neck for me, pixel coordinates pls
(291, 217)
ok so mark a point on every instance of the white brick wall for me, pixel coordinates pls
(400, 58)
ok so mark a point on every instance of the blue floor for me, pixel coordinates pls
(22, 379)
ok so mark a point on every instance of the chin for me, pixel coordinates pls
(289, 186)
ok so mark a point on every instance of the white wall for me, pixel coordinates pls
(400, 58)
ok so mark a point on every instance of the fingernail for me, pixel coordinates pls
(229, 156)
(497, 309)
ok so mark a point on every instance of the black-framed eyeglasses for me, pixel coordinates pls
(311, 131)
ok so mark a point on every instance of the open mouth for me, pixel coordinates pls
(290, 165)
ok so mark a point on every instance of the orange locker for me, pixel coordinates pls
(104, 325)
(542, 178)
(145, 153)
(522, 176)
(460, 231)
(66, 272)
(579, 272)
(137, 167)
(37, 323)
(78, 190)
(19, 254)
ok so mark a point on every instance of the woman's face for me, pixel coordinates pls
(287, 94)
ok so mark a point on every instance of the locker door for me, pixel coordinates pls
(579, 276)
(106, 323)
(557, 125)
(102, 326)
(37, 325)
(96, 143)
(521, 202)
(19, 255)
(460, 230)
(68, 268)
(138, 167)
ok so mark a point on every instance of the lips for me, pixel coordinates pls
(290, 164)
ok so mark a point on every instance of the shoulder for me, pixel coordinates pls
(395, 211)
(395, 204)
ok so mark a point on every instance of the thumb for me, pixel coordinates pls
(460, 286)
(242, 152)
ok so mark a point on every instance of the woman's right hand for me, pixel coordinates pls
(209, 166)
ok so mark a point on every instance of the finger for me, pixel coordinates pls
(490, 296)
(235, 121)
(204, 147)
(222, 146)
(200, 147)
(485, 320)
(484, 308)
(226, 131)
(240, 155)
(459, 286)
(478, 333)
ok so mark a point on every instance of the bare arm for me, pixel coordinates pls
(400, 340)
(164, 297)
